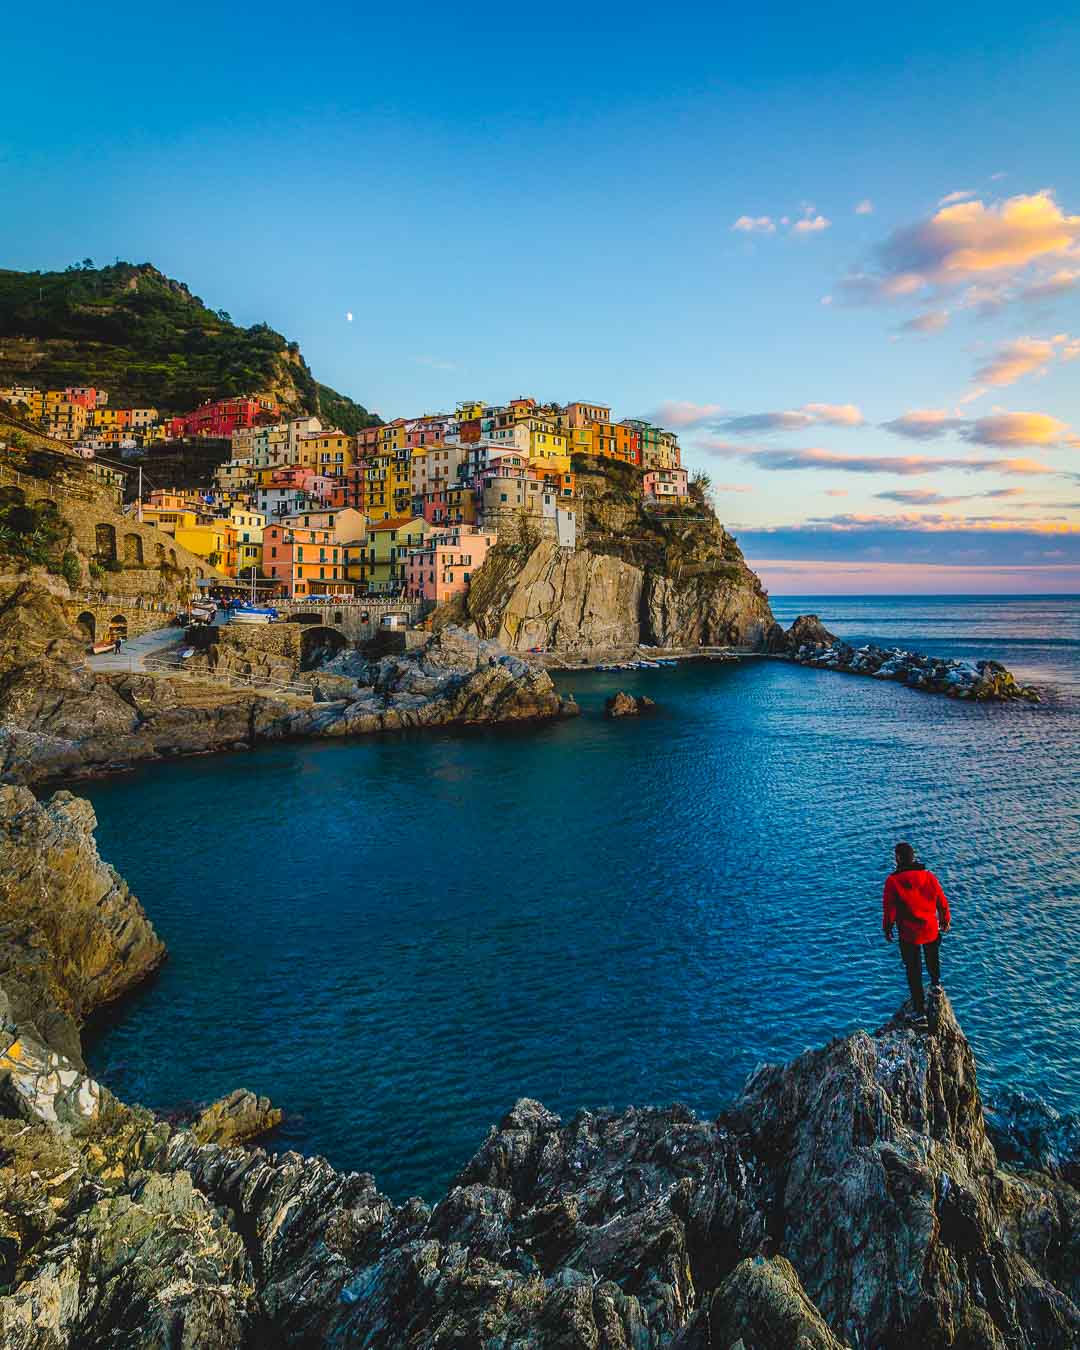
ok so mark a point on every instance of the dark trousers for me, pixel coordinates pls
(912, 954)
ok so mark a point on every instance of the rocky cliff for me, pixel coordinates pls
(851, 1198)
(667, 577)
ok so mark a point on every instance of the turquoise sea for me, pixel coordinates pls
(395, 938)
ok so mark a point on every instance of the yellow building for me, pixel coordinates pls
(389, 544)
(215, 542)
(580, 440)
(170, 518)
(546, 438)
(328, 452)
(469, 410)
(66, 421)
(248, 526)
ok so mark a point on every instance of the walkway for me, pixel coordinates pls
(135, 650)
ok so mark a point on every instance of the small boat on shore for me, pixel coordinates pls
(253, 614)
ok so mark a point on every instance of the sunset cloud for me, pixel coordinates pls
(1018, 429)
(1015, 359)
(865, 207)
(959, 196)
(928, 497)
(811, 225)
(924, 424)
(933, 321)
(832, 460)
(681, 414)
(755, 225)
(966, 242)
(1058, 283)
(793, 419)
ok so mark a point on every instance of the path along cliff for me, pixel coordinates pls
(850, 1198)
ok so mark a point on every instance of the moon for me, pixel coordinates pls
(348, 315)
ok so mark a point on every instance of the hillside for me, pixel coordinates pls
(146, 339)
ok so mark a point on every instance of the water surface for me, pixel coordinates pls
(395, 938)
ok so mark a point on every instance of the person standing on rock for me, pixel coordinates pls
(915, 903)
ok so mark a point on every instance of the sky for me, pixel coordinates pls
(837, 250)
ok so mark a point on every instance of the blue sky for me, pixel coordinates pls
(656, 208)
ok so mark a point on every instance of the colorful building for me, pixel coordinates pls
(445, 564)
(389, 544)
(303, 561)
(214, 540)
(665, 485)
(221, 417)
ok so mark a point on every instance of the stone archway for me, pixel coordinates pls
(319, 644)
(159, 553)
(86, 625)
(105, 542)
(118, 627)
(133, 550)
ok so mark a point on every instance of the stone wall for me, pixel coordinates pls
(270, 651)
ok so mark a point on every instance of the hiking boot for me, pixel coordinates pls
(917, 1021)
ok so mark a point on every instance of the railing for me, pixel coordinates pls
(172, 666)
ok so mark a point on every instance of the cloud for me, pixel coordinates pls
(1015, 359)
(927, 497)
(681, 413)
(755, 225)
(933, 321)
(904, 465)
(931, 523)
(872, 576)
(1058, 283)
(794, 419)
(1018, 429)
(999, 429)
(733, 487)
(924, 424)
(962, 195)
(963, 243)
(811, 225)
(865, 207)
(836, 492)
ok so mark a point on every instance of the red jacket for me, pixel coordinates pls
(914, 899)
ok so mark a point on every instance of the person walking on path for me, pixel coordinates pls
(915, 903)
(117, 645)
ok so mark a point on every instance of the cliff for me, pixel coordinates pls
(850, 1198)
(666, 577)
(150, 342)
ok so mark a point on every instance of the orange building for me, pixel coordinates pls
(304, 561)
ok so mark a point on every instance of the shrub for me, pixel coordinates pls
(71, 569)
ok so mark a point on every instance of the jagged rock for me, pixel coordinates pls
(627, 705)
(759, 1306)
(809, 643)
(236, 1118)
(806, 631)
(866, 1165)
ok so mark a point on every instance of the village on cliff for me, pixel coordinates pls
(406, 509)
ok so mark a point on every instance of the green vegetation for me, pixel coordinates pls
(71, 569)
(33, 535)
(150, 342)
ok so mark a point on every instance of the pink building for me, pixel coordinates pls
(84, 396)
(665, 484)
(445, 566)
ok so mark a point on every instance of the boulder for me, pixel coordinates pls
(236, 1118)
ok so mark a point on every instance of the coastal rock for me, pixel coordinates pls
(809, 643)
(236, 1118)
(60, 719)
(627, 705)
(851, 1197)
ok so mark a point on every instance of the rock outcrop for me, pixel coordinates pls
(623, 704)
(58, 718)
(809, 643)
(851, 1198)
(669, 579)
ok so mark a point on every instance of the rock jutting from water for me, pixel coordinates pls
(809, 643)
(623, 704)
(850, 1198)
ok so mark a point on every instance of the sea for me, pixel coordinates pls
(396, 938)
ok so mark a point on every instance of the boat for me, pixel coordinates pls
(253, 614)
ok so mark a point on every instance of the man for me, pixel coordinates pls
(914, 902)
